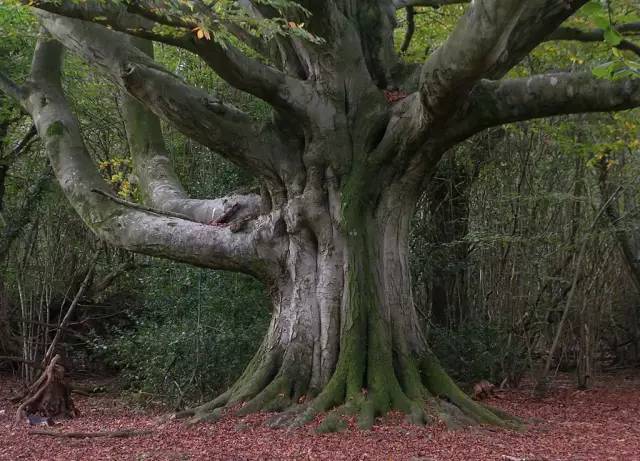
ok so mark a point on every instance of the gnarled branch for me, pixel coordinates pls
(139, 18)
(497, 102)
(158, 181)
(195, 113)
(477, 43)
(139, 231)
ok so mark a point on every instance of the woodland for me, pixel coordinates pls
(341, 229)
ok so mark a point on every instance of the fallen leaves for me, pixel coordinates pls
(598, 424)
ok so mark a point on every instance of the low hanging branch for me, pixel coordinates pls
(137, 206)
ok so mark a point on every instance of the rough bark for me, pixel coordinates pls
(344, 335)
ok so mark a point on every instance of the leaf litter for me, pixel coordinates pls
(601, 423)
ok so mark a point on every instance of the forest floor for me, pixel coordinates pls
(601, 423)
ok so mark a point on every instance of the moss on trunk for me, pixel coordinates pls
(376, 370)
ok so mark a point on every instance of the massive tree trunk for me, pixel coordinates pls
(344, 331)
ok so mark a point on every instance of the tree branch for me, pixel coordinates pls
(109, 14)
(136, 230)
(242, 72)
(494, 103)
(597, 35)
(594, 35)
(158, 181)
(11, 89)
(476, 44)
(237, 69)
(538, 20)
(195, 113)
(411, 28)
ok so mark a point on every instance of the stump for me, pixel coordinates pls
(50, 395)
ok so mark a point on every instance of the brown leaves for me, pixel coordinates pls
(595, 424)
(201, 32)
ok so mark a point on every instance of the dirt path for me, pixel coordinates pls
(602, 423)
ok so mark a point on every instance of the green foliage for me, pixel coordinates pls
(604, 15)
(16, 45)
(193, 334)
(478, 350)
(117, 171)
(55, 129)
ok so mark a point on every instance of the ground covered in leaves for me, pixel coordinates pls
(602, 423)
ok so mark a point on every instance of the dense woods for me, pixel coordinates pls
(400, 181)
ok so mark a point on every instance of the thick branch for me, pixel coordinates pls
(112, 14)
(139, 231)
(476, 44)
(537, 21)
(239, 70)
(195, 113)
(494, 103)
(152, 165)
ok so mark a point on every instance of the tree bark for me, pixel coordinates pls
(344, 334)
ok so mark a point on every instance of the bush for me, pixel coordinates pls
(194, 334)
(478, 350)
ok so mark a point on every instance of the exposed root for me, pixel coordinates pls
(423, 392)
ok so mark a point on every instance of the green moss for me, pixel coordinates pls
(55, 129)
(332, 423)
(439, 382)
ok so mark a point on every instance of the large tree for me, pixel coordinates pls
(354, 137)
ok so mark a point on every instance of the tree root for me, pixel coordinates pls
(439, 399)
(424, 393)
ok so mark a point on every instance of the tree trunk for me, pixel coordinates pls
(344, 333)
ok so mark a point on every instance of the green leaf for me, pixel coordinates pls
(612, 36)
(601, 21)
(592, 8)
(603, 70)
